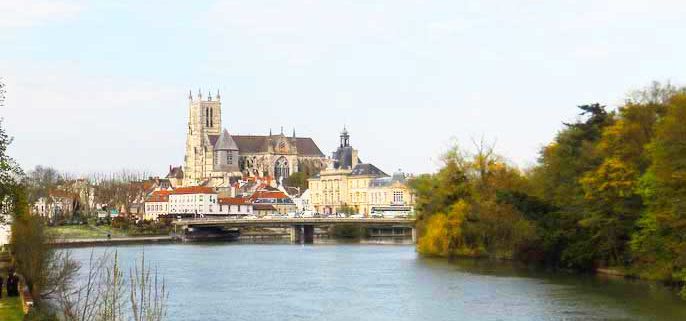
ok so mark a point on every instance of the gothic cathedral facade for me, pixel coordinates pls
(214, 157)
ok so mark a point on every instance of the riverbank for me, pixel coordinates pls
(11, 308)
(111, 241)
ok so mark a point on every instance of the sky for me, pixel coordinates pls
(100, 86)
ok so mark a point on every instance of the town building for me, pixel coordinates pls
(235, 206)
(215, 158)
(196, 200)
(303, 202)
(351, 185)
(276, 198)
(57, 203)
(391, 196)
(156, 205)
(261, 210)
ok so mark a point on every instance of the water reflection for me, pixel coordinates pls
(349, 281)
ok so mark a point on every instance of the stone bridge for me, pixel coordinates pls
(301, 229)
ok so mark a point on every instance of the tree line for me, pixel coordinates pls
(608, 191)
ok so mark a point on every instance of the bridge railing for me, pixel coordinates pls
(291, 220)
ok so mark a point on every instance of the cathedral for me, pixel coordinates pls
(215, 157)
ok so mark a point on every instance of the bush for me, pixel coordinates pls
(346, 231)
(40, 314)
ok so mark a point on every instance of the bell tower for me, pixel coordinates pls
(204, 119)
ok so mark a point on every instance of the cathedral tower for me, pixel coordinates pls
(204, 119)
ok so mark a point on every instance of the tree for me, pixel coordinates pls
(459, 212)
(298, 180)
(556, 180)
(660, 244)
(10, 172)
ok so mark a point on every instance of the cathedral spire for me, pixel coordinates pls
(270, 131)
(199, 94)
(218, 97)
(190, 95)
(209, 95)
(293, 132)
(282, 130)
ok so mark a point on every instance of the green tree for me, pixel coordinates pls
(298, 180)
(557, 181)
(458, 208)
(660, 244)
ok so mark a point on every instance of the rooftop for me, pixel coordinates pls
(194, 190)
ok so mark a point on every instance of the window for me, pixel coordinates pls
(229, 158)
(397, 197)
(281, 169)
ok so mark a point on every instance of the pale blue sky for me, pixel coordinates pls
(100, 86)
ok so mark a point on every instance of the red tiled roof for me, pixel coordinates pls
(159, 196)
(268, 194)
(194, 190)
(264, 207)
(233, 201)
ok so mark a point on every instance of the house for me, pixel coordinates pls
(193, 200)
(303, 202)
(264, 209)
(278, 199)
(157, 204)
(235, 206)
(58, 203)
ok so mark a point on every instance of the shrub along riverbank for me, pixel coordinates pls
(608, 191)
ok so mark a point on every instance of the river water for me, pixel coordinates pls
(263, 282)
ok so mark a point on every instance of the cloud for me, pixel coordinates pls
(29, 13)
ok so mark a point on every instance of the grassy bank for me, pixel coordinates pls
(10, 309)
(77, 232)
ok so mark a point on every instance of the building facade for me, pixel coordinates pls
(235, 206)
(278, 199)
(351, 185)
(193, 200)
(213, 156)
(156, 204)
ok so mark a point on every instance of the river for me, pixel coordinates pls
(263, 282)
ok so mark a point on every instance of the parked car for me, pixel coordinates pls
(356, 216)
(376, 215)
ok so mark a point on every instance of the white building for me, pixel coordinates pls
(193, 200)
(57, 203)
(235, 206)
(303, 202)
(156, 204)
